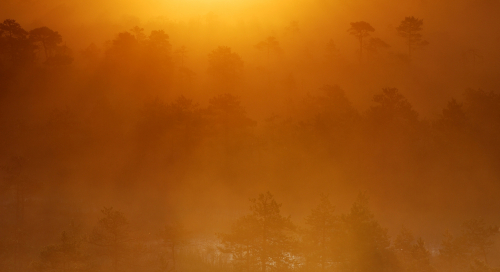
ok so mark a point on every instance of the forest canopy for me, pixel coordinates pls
(365, 136)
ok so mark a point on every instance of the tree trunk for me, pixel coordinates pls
(360, 49)
(409, 45)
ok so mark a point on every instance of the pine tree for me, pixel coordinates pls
(321, 239)
(261, 240)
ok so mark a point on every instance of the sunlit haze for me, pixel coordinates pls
(249, 135)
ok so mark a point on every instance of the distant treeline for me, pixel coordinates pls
(117, 130)
(262, 240)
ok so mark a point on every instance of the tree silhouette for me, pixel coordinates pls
(471, 247)
(12, 30)
(331, 51)
(482, 106)
(111, 234)
(262, 237)
(410, 29)
(413, 254)
(229, 127)
(159, 43)
(123, 44)
(168, 132)
(122, 55)
(138, 33)
(482, 111)
(48, 39)
(185, 75)
(366, 244)
(329, 118)
(404, 240)
(158, 56)
(360, 30)
(479, 237)
(140, 60)
(392, 107)
(269, 45)
(226, 114)
(62, 56)
(453, 251)
(292, 28)
(322, 235)
(91, 54)
(225, 69)
(16, 178)
(67, 255)
(15, 47)
(182, 54)
(374, 44)
(242, 244)
(174, 236)
(453, 117)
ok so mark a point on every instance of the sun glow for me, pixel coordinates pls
(241, 10)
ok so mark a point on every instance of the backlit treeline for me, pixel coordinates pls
(124, 126)
(266, 240)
